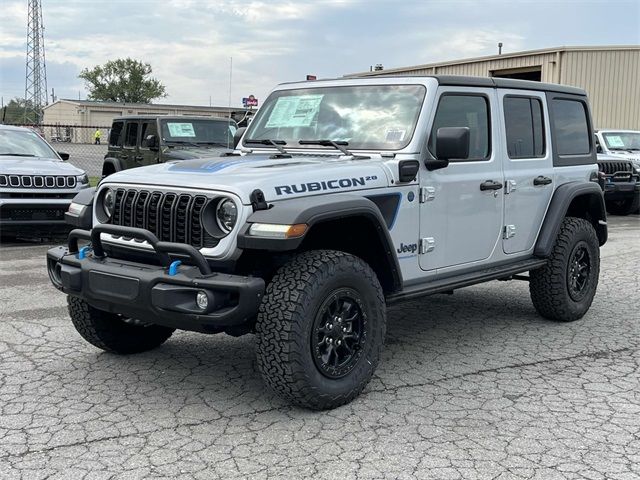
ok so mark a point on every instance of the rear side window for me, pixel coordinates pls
(524, 127)
(570, 127)
(470, 111)
(116, 133)
(131, 136)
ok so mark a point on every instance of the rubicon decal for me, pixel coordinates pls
(336, 184)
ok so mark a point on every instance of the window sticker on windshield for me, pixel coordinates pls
(181, 129)
(294, 111)
(395, 135)
(615, 141)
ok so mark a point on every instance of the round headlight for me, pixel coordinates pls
(108, 202)
(226, 215)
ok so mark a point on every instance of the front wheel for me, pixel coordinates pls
(564, 288)
(623, 207)
(112, 332)
(320, 329)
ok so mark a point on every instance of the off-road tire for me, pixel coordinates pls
(285, 333)
(549, 285)
(623, 207)
(110, 332)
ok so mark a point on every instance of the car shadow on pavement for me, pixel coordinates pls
(428, 340)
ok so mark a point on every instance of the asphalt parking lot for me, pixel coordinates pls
(473, 385)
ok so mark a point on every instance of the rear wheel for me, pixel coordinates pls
(112, 332)
(321, 328)
(564, 288)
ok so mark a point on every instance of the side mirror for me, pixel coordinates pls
(151, 142)
(64, 156)
(451, 142)
(237, 136)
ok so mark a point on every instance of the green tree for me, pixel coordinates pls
(122, 80)
(18, 111)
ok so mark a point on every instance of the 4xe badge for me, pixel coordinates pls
(411, 248)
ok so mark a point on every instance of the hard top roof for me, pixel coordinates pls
(462, 81)
(173, 117)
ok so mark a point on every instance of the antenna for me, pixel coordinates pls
(35, 90)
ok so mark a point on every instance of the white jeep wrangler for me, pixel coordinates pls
(342, 197)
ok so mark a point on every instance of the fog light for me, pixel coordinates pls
(202, 300)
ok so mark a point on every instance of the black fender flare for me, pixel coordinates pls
(85, 218)
(313, 211)
(592, 208)
(117, 164)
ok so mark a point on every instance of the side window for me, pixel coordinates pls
(116, 133)
(524, 127)
(462, 110)
(148, 128)
(570, 127)
(131, 136)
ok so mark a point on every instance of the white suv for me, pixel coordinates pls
(343, 196)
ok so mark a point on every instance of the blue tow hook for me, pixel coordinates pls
(82, 253)
(173, 268)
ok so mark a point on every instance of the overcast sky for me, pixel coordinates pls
(189, 42)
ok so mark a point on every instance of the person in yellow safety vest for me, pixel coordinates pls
(96, 137)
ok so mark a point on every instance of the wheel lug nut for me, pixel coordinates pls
(339, 342)
(344, 329)
(330, 340)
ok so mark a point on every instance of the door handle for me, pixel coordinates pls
(138, 158)
(542, 180)
(490, 185)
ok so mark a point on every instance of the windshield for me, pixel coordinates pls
(622, 140)
(214, 132)
(24, 144)
(367, 117)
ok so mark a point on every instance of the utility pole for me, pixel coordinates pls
(35, 90)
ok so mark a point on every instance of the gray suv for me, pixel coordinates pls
(343, 196)
(36, 185)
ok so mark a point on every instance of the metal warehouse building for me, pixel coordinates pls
(609, 74)
(92, 114)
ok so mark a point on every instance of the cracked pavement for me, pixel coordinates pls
(473, 385)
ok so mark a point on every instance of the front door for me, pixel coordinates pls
(461, 209)
(528, 167)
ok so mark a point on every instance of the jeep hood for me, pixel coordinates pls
(188, 153)
(10, 165)
(279, 179)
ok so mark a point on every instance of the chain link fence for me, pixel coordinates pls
(79, 142)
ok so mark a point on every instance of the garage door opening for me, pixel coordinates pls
(527, 73)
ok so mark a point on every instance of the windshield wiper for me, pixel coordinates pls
(274, 143)
(220, 144)
(18, 154)
(337, 144)
(181, 142)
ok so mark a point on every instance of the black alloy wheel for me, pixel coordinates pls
(339, 333)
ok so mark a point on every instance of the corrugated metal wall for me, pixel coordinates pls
(612, 80)
(611, 77)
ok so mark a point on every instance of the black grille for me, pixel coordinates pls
(11, 213)
(37, 181)
(611, 167)
(171, 217)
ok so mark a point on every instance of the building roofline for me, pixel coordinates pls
(523, 53)
(101, 103)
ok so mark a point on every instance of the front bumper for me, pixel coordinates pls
(151, 293)
(621, 190)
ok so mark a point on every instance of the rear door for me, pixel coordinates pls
(528, 166)
(129, 155)
(148, 128)
(461, 205)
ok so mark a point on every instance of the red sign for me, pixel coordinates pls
(311, 77)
